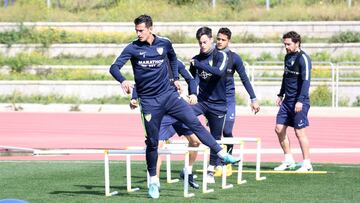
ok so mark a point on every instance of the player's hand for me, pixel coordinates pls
(193, 99)
(279, 101)
(298, 107)
(126, 86)
(255, 107)
(178, 86)
(134, 104)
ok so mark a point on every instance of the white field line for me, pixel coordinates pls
(298, 151)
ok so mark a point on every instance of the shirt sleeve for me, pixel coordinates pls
(305, 71)
(282, 88)
(134, 94)
(188, 77)
(119, 63)
(240, 69)
(173, 61)
(193, 72)
(218, 69)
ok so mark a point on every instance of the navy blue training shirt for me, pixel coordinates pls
(210, 69)
(185, 74)
(150, 65)
(296, 79)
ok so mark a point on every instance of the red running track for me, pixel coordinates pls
(106, 130)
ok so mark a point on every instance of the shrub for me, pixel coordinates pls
(267, 102)
(344, 101)
(356, 103)
(240, 100)
(181, 2)
(179, 37)
(265, 56)
(321, 96)
(321, 56)
(346, 37)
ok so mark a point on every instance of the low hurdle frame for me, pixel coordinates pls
(235, 141)
(128, 152)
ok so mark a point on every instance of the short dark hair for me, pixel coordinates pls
(203, 31)
(294, 36)
(225, 31)
(144, 19)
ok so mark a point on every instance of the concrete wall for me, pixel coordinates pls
(259, 29)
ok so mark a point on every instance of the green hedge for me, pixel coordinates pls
(49, 36)
(17, 97)
(179, 10)
(321, 96)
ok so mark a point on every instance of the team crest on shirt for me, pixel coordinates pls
(160, 50)
(147, 117)
(210, 62)
(292, 63)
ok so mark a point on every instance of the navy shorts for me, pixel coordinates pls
(287, 116)
(169, 126)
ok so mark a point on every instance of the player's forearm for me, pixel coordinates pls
(304, 92)
(218, 69)
(115, 72)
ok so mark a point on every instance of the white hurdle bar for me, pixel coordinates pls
(130, 152)
(235, 141)
(241, 141)
(224, 185)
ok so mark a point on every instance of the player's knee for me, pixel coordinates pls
(152, 143)
(227, 133)
(194, 143)
(279, 130)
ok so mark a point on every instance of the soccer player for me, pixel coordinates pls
(169, 127)
(294, 103)
(235, 64)
(209, 69)
(150, 57)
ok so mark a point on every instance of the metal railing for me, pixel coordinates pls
(277, 66)
(268, 71)
(342, 66)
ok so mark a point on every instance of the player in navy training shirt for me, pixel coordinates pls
(235, 64)
(169, 127)
(150, 57)
(209, 68)
(295, 105)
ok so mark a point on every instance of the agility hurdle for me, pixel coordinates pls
(235, 141)
(128, 152)
(131, 151)
(242, 140)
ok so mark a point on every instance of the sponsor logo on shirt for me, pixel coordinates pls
(150, 63)
(204, 75)
(142, 53)
(287, 70)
